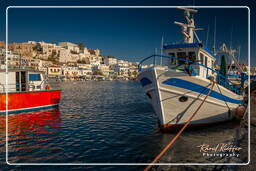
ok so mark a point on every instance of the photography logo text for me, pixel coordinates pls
(219, 150)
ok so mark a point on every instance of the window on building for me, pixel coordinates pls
(205, 61)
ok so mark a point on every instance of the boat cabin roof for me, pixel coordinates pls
(190, 46)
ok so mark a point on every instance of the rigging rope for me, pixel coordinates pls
(223, 96)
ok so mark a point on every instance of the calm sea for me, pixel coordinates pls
(100, 122)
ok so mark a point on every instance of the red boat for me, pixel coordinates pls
(28, 90)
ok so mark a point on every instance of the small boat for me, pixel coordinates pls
(26, 90)
(178, 84)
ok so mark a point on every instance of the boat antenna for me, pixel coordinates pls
(161, 48)
(231, 36)
(207, 35)
(239, 48)
(188, 29)
(155, 56)
(214, 39)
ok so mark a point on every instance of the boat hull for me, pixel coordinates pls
(175, 96)
(29, 101)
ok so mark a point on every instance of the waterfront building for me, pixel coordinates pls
(85, 73)
(54, 71)
(74, 57)
(73, 48)
(2, 56)
(110, 61)
(34, 63)
(105, 70)
(72, 61)
(84, 66)
(71, 72)
(13, 59)
(94, 52)
(26, 50)
(48, 50)
(122, 68)
(96, 60)
(64, 55)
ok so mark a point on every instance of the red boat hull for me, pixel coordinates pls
(29, 101)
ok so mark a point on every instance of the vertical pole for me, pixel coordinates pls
(207, 36)
(214, 40)
(239, 54)
(162, 44)
(155, 56)
(207, 73)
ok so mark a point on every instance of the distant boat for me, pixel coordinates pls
(27, 90)
(176, 88)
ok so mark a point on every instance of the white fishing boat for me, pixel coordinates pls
(178, 85)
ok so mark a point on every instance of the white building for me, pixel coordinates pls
(122, 67)
(73, 48)
(110, 61)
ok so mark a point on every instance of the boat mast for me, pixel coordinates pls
(214, 39)
(207, 35)
(239, 48)
(188, 29)
(161, 48)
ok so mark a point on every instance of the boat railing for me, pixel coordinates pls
(220, 78)
(30, 86)
(22, 87)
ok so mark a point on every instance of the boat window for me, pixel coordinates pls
(23, 81)
(172, 60)
(201, 58)
(17, 81)
(205, 61)
(181, 55)
(34, 77)
(192, 56)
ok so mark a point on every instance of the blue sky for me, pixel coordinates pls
(129, 34)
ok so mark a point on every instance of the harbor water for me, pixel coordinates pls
(101, 122)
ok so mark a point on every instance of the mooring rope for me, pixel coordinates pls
(179, 133)
(223, 96)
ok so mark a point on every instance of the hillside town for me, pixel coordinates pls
(66, 61)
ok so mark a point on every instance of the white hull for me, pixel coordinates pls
(165, 88)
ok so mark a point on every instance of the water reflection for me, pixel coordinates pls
(29, 131)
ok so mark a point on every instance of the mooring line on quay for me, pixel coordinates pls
(179, 133)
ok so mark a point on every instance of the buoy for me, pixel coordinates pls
(240, 110)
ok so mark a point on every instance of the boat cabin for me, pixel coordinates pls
(22, 80)
(194, 52)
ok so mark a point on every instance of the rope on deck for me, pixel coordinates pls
(179, 133)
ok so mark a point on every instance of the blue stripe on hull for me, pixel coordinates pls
(199, 89)
(30, 109)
